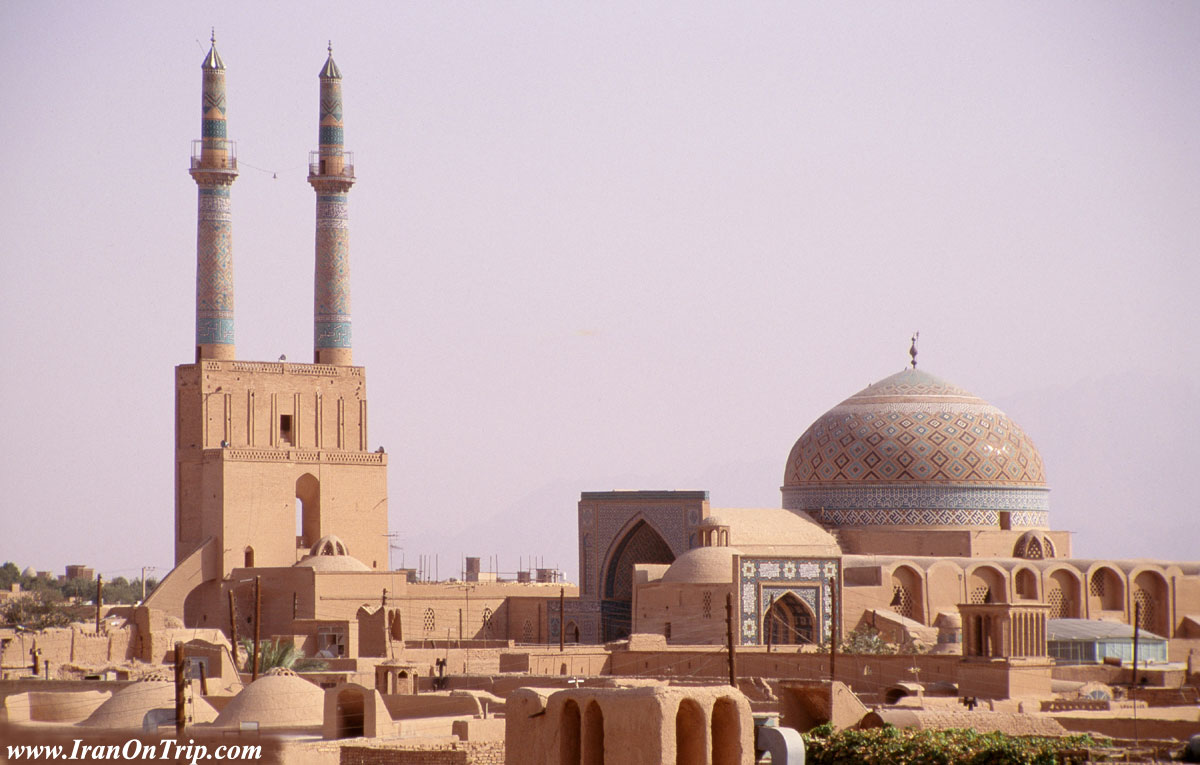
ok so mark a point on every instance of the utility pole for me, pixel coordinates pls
(180, 682)
(257, 625)
(99, 600)
(233, 629)
(562, 619)
(144, 570)
(729, 636)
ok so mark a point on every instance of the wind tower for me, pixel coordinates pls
(331, 173)
(214, 168)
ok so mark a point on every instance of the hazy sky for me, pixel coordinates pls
(610, 245)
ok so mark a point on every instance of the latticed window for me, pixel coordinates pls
(1057, 601)
(487, 620)
(1033, 551)
(981, 594)
(429, 620)
(527, 632)
(708, 604)
(902, 602)
(1146, 616)
(1096, 587)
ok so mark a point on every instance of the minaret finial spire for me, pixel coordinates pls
(912, 349)
(213, 37)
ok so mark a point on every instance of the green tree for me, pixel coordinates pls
(35, 612)
(9, 574)
(273, 653)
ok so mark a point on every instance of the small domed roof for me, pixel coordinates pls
(278, 699)
(331, 554)
(128, 706)
(1033, 545)
(772, 531)
(703, 565)
(333, 563)
(330, 544)
(29, 572)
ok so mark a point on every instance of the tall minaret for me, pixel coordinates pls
(331, 173)
(214, 168)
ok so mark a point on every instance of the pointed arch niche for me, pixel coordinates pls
(308, 510)
(789, 621)
(640, 544)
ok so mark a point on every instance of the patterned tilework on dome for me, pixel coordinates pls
(913, 427)
(924, 517)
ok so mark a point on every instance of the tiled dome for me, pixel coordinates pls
(913, 441)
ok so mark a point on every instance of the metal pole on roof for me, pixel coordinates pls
(257, 625)
(99, 600)
(729, 636)
(233, 629)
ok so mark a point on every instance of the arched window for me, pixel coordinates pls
(1107, 590)
(308, 510)
(350, 714)
(1150, 597)
(430, 622)
(249, 558)
(572, 635)
(987, 585)
(1026, 584)
(527, 632)
(487, 622)
(1062, 594)
(906, 593)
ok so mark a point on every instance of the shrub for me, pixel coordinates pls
(891, 746)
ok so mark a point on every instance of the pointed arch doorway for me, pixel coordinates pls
(641, 543)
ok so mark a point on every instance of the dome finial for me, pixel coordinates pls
(912, 349)
(330, 47)
(212, 38)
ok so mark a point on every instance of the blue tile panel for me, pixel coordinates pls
(760, 580)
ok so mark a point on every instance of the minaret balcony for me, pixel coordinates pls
(210, 156)
(331, 166)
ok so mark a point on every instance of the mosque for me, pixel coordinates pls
(905, 502)
(902, 502)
